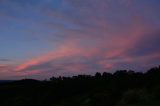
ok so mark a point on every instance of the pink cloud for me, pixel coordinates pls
(95, 33)
(110, 50)
(66, 50)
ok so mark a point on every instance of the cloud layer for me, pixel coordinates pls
(82, 37)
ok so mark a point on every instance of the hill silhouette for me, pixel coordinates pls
(122, 88)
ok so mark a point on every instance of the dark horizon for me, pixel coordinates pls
(72, 76)
(122, 88)
(25, 77)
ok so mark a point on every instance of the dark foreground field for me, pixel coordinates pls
(123, 88)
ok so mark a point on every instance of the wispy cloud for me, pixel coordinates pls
(85, 36)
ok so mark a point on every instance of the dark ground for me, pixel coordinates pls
(123, 88)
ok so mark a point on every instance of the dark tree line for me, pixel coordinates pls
(122, 88)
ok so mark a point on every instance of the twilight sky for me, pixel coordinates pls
(42, 38)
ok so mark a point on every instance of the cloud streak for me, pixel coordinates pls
(85, 37)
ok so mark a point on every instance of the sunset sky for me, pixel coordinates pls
(44, 38)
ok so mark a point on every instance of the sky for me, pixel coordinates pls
(44, 38)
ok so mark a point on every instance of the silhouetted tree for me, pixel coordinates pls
(52, 78)
(106, 75)
(98, 75)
